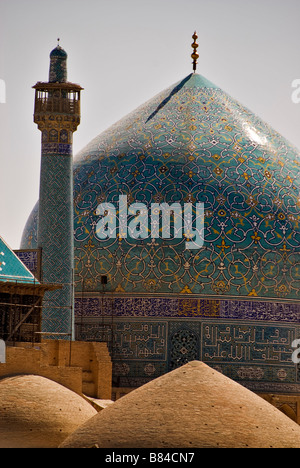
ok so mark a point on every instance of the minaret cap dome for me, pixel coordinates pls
(58, 65)
(58, 52)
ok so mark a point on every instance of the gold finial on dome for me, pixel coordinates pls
(194, 55)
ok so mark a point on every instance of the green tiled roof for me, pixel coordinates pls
(11, 267)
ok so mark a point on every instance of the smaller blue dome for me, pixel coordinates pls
(58, 65)
(58, 52)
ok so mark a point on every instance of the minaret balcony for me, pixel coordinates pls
(57, 102)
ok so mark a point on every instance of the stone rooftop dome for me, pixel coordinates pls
(193, 406)
(38, 413)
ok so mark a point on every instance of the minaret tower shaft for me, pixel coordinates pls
(57, 115)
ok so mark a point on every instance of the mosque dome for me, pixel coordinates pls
(163, 296)
(191, 144)
(193, 406)
(38, 413)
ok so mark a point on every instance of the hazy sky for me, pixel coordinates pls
(123, 52)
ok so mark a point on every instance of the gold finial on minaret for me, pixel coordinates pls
(194, 55)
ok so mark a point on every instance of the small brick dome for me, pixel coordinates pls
(38, 413)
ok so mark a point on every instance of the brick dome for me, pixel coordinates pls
(193, 406)
(38, 413)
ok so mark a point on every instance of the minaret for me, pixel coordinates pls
(57, 114)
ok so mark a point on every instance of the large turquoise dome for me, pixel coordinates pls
(191, 144)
